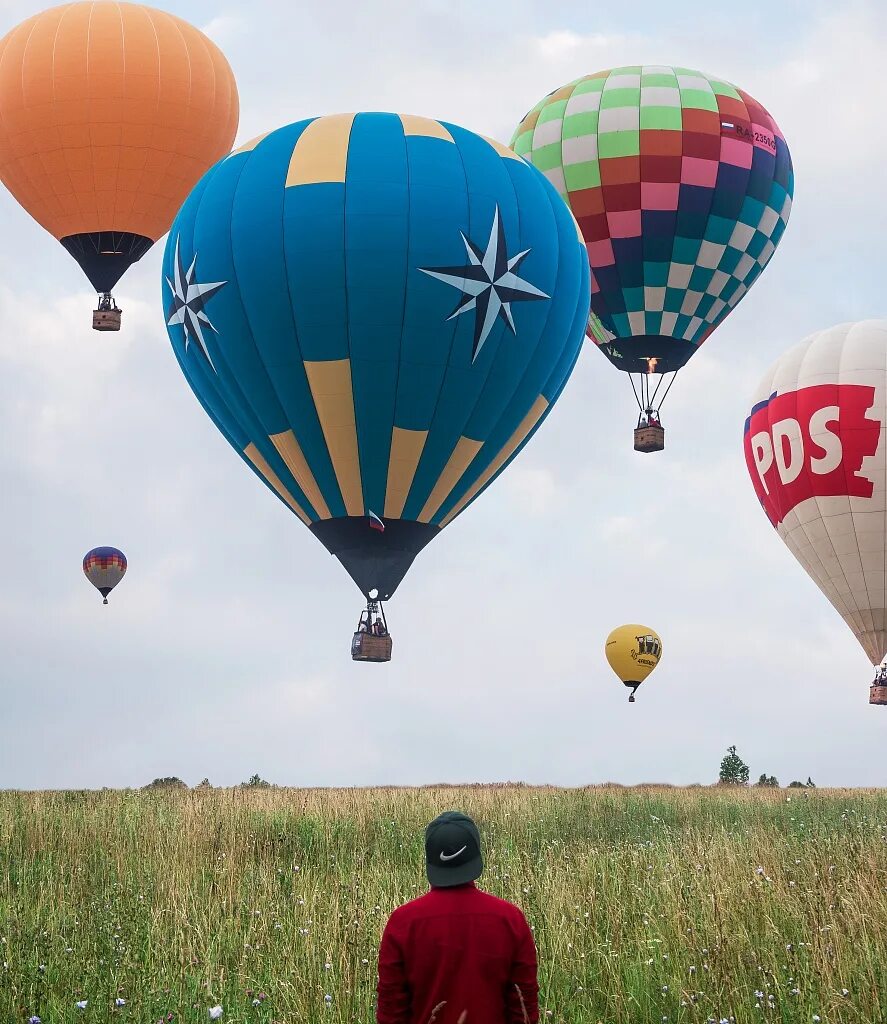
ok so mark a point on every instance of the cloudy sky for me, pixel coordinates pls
(225, 650)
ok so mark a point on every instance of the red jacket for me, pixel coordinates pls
(461, 947)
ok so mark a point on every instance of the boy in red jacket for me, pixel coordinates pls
(457, 955)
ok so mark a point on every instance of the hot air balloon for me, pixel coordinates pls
(104, 568)
(377, 311)
(633, 652)
(682, 186)
(816, 455)
(109, 114)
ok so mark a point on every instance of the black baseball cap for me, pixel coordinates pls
(452, 850)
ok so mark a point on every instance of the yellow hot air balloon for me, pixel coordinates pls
(109, 114)
(633, 651)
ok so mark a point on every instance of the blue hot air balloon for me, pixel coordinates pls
(377, 311)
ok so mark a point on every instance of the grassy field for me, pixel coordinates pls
(648, 905)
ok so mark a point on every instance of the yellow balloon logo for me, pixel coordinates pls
(633, 651)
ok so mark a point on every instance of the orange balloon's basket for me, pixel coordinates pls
(878, 694)
(106, 319)
(649, 439)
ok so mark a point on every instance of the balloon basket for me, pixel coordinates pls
(649, 439)
(366, 647)
(106, 319)
(878, 695)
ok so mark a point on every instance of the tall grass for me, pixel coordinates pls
(648, 905)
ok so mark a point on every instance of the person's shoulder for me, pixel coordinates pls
(409, 909)
(503, 907)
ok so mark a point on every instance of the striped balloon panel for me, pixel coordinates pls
(336, 366)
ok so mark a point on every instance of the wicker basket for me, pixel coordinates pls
(106, 319)
(878, 695)
(367, 647)
(649, 439)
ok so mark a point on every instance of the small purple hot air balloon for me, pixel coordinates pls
(104, 568)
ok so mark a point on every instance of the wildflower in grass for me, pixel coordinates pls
(41, 968)
(81, 1005)
(34, 1020)
(215, 1012)
(257, 1002)
(327, 998)
(845, 992)
(816, 1018)
(119, 1002)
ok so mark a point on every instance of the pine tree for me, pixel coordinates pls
(255, 782)
(734, 771)
(810, 783)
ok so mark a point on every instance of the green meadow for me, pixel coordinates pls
(648, 904)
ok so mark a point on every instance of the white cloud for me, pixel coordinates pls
(225, 650)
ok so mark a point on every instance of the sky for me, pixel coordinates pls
(225, 651)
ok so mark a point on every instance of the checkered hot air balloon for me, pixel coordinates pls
(377, 311)
(816, 451)
(682, 186)
(104, 568)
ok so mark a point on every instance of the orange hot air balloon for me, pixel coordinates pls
(109, 114)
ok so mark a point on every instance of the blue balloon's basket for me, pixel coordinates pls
(649, 439)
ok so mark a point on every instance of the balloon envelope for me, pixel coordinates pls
(682, 186)
(104, 568)
(633, 651)
(815, 451)
(109, 113)
(377, 311)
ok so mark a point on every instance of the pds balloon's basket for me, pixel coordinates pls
(878, 694)
(649, 439)
(107, 316)
(372, 641)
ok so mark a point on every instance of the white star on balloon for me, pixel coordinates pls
(188, 300)
(489, 283)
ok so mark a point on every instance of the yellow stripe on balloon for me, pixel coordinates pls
(458, 462)
(321, 151)
(258, 460)
(291, 452)
(526, 425)
(502, 150)
(248, 147)
(424, 126)
(330, 383)
(406, 450)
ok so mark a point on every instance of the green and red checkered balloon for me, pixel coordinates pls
(682, 186)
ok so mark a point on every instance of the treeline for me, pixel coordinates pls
(735, 772)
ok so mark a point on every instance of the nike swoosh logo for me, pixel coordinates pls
(450, 856)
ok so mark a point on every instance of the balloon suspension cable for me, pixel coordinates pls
(106, 303)
(374, 617)
(645, 394)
